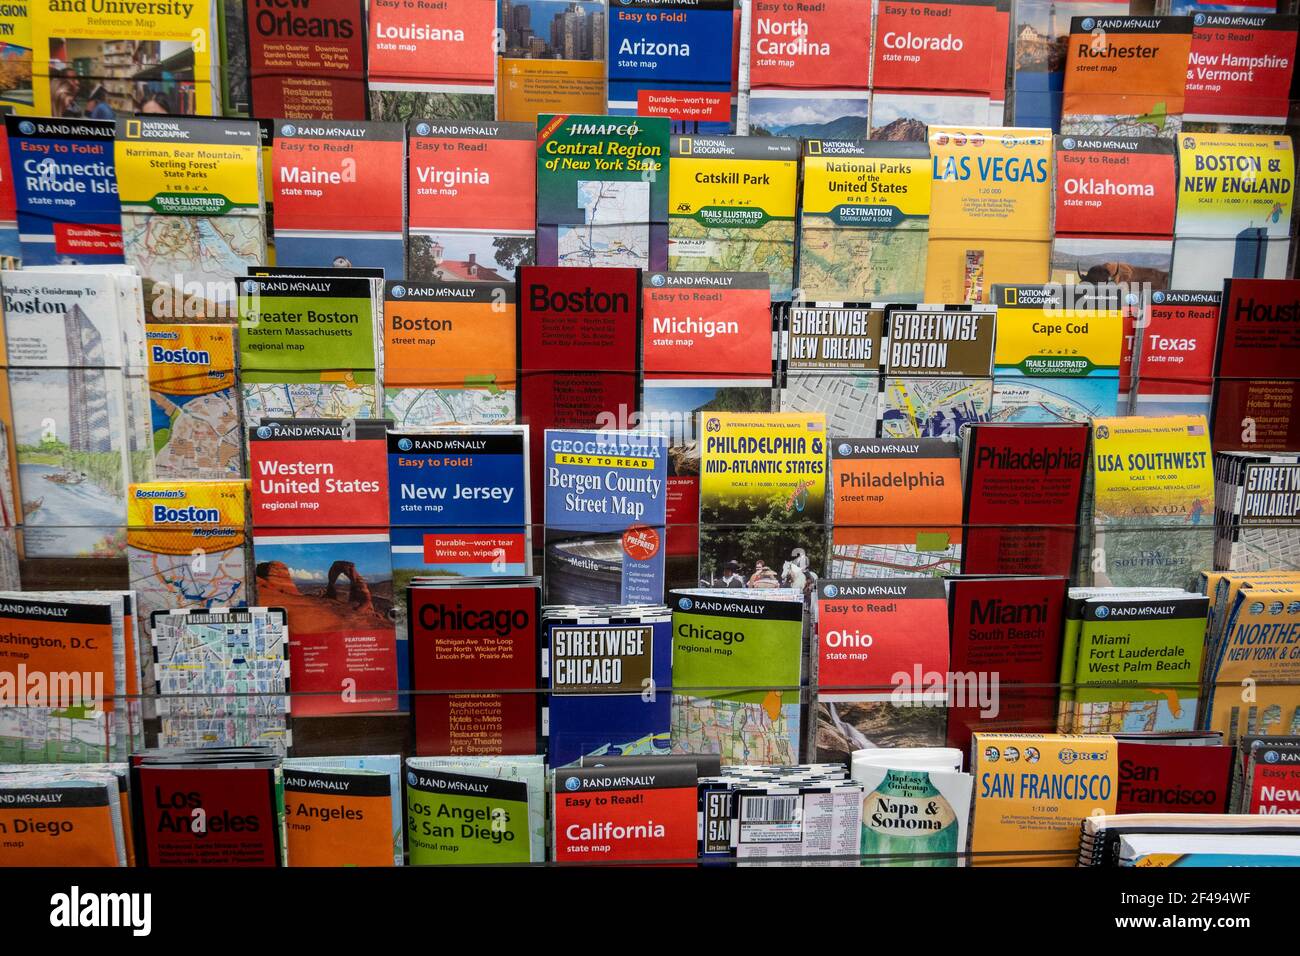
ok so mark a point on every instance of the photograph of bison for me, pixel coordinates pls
(1114, 261)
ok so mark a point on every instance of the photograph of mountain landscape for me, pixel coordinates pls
(808, 116)
(333, 583)
(906, 117)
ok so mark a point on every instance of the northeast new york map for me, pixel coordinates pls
(693, 246)
(210, 250)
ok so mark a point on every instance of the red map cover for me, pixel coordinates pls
(637, 812)
(579, 342)
(1259, 335)
(1173, 778)
(232, 810)
(317, 473)
(306, 60)
(1023, 489)
(470, 638)
(1275, 788)
(1177, 353)
(339, 177)
(1257, 368)
(1011, 627)
(935, 46)
(1115, 186)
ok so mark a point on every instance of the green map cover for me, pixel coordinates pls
(602, 191)
(737, 663)
(460, 818)
(1138, 664)
(307, 348)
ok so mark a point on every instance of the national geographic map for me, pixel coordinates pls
(768, 248)
(860, 265)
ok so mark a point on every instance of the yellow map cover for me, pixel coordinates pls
(990, 211)
(763, 496)
(1223, 598)
(131, 56)
(183, 167)
(1033, 790)
(186, 545)
(194, 405)
(527, 87)
(16, 64)
(1153, 471)
(193, 219)
(1057, 356)
(1076, 332)
(864, 220)
(1153, 501)
(1254, 685)
(1228, 182)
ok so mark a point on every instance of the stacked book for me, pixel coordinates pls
(1189, 839)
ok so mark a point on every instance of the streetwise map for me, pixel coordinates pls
(933, 407)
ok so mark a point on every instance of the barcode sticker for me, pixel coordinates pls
(771, 819)
(769, 810)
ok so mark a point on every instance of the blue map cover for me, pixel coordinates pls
(672, 58)
(605, 514)
(607, 681)
(65, 189)
(458, 505)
